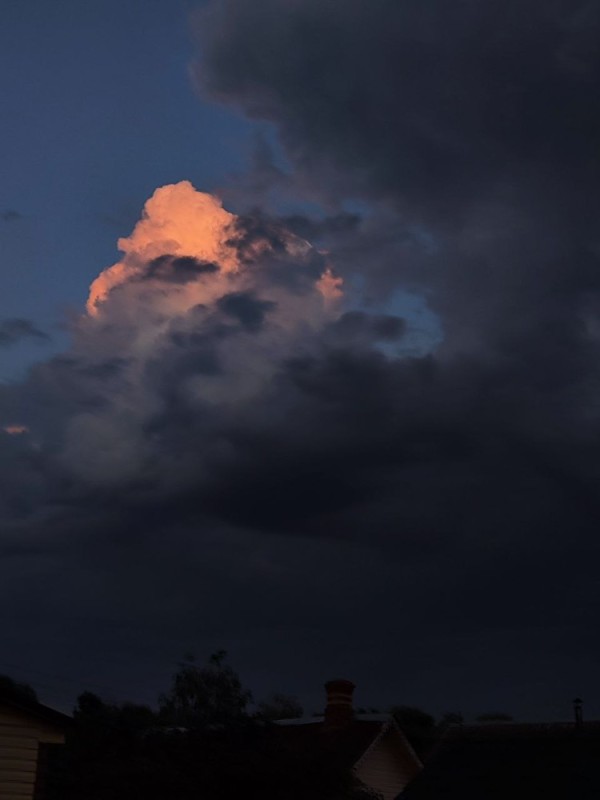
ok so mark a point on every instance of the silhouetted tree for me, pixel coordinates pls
(205, 696)
(280, 706)
(15, 690)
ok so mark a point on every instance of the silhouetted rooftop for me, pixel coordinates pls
(344, 745)
(29, 705)
(488, 761)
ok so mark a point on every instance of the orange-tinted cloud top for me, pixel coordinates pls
(330, 286)
(177, 220)
(180, 221)
(15, 430)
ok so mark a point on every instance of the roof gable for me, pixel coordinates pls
(389, 764)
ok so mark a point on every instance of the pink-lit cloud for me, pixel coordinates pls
(15, 429)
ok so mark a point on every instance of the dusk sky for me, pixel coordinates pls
(299, 348)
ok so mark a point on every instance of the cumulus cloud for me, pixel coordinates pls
(177, 222)
(237, 391)
(190, 347)
(219, 337)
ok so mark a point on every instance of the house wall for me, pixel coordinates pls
(387, 767)
(20, 736)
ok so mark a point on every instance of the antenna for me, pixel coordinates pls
(577, 707)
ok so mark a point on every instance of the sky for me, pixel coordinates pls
(299, 349)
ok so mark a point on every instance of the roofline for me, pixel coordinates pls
(39, 710)
(318, 719)
(409, 746)
(385, 728)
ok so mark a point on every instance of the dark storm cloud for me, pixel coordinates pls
(249, 310)
(315, 229)
(15, 330)
(280, 265)
(471, 131)
(478, 125)
(176, 269)
(416, 455)
(356, 327)
(478, 122)
(494, 435)
(102, 370)
(255, 229)
(425, 101)
(319, 466)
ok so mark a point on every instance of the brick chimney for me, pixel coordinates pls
(339, 711)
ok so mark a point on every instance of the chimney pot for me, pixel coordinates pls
(339, 711)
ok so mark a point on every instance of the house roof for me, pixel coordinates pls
(345, 745)
(512, 760)
(33, 708)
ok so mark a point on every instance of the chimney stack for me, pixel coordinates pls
(339, 711)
